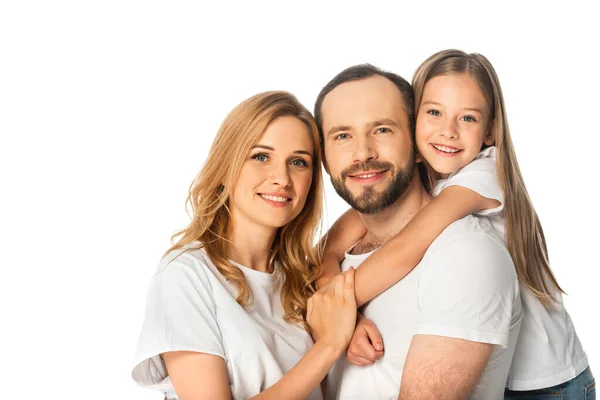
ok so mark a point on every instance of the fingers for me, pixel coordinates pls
(374, 336)
(349, 286)
(360, 350)
(365, 349)
(362, 353)
(338, 286)
(359, 361)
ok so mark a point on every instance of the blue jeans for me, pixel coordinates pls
(582, 387)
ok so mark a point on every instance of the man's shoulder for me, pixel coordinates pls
(470, 238)
(467, 228)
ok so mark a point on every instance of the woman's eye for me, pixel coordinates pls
(383, 130)
(341, 136)
(260, 157)
(469, 118)
(434, 112)
(298, 162)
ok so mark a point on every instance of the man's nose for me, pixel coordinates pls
(364, 149)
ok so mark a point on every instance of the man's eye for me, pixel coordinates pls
(434, 112)
(260, 157)
(341, 136)
(383, 130)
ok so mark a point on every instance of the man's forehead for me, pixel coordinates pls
(363, 101)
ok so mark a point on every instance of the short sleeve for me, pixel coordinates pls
(468, 290)
(180, 316)
(480, 176)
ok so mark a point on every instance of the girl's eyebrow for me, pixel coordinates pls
(262, 146)
(430, 102)
(463, 108)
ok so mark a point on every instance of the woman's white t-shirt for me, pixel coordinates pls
(191, 307)
(548, 350)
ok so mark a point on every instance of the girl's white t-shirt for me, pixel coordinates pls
(548, 351)
(191, 307)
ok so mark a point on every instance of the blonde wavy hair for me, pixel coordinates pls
(524, 235)
(208, 203)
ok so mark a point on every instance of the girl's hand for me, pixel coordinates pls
(331, 312)
(366, 345)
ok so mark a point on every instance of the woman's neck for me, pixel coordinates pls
(251, 246)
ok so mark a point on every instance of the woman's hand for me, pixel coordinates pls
(331, 312)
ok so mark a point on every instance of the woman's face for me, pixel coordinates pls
(453, 122)
(275, 178)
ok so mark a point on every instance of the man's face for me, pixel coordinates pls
(368, 148)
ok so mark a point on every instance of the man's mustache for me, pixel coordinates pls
(366, 166)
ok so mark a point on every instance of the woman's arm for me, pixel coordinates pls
(346, 231)
(403, 252)
(332, 315)
(197, 375)
(204, 376)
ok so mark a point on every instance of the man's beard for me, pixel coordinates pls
(371, 201)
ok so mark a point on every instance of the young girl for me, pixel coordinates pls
(463, 139)
(228, 310)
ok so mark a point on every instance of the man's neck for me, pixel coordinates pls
(384, 225)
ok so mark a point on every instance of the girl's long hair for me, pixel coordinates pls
(524, 235)
(208, 203)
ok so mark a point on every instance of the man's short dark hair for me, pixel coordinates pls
(363, 71)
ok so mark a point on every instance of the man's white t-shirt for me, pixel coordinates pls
(548, 350)
(464, 287)
(191, 307)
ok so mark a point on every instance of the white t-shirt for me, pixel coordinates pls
(191, 307)
(464, 287)
(548, 350)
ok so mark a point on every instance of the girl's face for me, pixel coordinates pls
(453, 122)
(275, 178)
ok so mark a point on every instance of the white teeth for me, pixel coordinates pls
(366, 176)
(274, 198)
(445, 149)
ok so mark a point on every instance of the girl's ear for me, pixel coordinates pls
(489, 136)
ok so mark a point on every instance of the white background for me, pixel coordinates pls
(108, 108)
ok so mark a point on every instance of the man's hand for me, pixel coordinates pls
(366, 345)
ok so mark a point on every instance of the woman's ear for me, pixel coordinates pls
(489, 139)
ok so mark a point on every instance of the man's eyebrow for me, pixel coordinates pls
(463, 108)
(338, 129)
(385, 121)
(262, 146)
(370, 125)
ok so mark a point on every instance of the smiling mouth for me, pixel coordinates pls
(367, 175)
(278, 199)
(445, 149)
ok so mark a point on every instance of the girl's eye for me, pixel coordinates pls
(298, 162)
(341, 136)
(383, 130)
(261, 157)
(469, 118)
(434, 112)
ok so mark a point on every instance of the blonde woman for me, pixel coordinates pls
(228, 313)
(463, 138)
